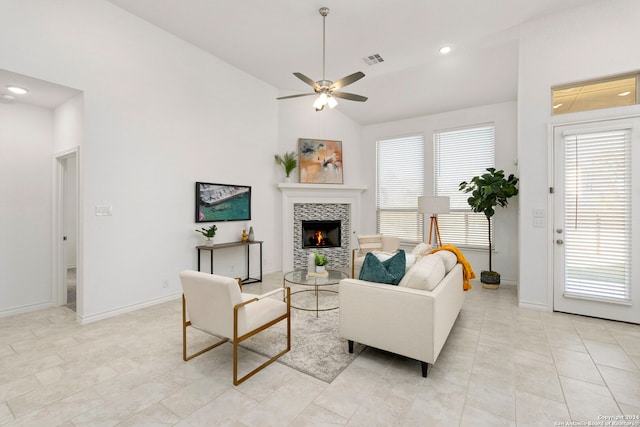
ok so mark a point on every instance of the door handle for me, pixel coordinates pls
(560, 241)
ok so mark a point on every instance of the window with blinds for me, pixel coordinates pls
(597, 215)
(459, 155)
(399, 183)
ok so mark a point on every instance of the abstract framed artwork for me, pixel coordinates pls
(320, 161)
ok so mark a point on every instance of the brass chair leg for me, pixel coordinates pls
(186, 323)
(237, 340)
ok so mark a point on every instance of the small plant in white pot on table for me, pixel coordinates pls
(209, 233)
(321, 262)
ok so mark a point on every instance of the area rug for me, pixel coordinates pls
(316, 346)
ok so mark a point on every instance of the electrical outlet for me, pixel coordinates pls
(165, 283)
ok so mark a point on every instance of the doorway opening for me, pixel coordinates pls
(66, 230)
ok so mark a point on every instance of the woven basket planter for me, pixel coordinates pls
(490, 279)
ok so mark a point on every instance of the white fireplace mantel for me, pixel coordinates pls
(315, 193)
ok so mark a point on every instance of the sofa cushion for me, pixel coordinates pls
(369, 242)
(448, 258)
(389, 271)
(426, 274)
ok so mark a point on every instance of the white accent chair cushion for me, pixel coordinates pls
(369, 243)
(389, 244)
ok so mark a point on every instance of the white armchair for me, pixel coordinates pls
(368, 243)
(215, 305)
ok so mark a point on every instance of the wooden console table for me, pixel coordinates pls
(217, 246)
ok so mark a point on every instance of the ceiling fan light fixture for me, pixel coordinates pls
(327, 89)
(320, 102)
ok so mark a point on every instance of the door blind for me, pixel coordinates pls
(597, 215)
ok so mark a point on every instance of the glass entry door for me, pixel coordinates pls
(593, 231)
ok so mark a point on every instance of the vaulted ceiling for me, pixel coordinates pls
(272, 39)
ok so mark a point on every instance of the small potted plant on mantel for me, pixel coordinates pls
(488, 191)
(321, 262)
(288, 162)
(209, 233)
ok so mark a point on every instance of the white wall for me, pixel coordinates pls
(505, 258)
(585, 43)
(26, 142)
(159, 114)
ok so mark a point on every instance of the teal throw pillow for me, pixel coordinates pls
(389, 271)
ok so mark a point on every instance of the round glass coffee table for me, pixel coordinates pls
(316, 284)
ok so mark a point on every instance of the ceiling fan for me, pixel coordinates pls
(326, 89)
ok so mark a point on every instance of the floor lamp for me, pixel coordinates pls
(434, 206)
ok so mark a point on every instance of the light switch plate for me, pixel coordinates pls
(104, 210)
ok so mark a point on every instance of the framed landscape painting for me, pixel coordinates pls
(222, 202)
(320, 161)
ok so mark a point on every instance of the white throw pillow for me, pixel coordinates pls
(421, 250)
(383, 256)
(426, 274)
(411, 260)
(449, 258)
(369, 243)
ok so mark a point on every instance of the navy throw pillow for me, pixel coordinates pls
(389, 271)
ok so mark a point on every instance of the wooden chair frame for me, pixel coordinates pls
(238, 339)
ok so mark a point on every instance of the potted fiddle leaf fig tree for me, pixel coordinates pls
(288, 162)
(489, 190)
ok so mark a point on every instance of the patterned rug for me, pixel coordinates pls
(316, 346)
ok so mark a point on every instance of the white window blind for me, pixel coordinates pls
(399, 183)
(597, 215)
(459, 155)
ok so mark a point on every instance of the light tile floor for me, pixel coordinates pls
(502, 365)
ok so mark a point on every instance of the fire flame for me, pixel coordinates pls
(319, 238)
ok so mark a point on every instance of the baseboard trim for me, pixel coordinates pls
(25, 309)
(533, 306)
(126, 309)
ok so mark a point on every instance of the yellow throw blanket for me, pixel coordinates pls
(467, 271)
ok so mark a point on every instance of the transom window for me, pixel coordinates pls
(608, 92)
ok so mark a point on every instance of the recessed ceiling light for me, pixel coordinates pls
(17, 90)
(8, 97)
(557, 106)
(624, 93)
(445, 49)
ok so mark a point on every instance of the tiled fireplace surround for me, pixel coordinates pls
(318, 202)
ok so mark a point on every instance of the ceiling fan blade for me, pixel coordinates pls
(349, 96)
(296, 96)
(307, 80)
(347, 80)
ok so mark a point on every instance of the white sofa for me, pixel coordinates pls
(411, 322)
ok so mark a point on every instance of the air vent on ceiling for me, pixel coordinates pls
(373, 59)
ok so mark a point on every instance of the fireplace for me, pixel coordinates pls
(324, 234)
